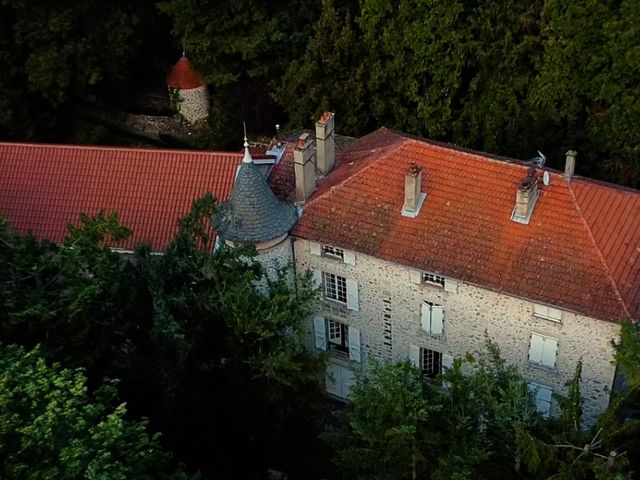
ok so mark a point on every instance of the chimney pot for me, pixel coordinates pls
(570, 164)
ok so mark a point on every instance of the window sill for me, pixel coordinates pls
(552, 320)
(540, 366)
(335, 303)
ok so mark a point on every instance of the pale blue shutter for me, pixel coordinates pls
(352, 295)
(437, 320)
(320, 332)
(354, 344)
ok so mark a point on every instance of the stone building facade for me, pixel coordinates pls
(389, 319)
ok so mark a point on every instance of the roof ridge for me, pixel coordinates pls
(119, 148)
(597, 248)
(358, 173)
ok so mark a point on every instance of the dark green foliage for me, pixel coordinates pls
(50, 427)
(53, 52)
(201, 349)
(506, 78)
(389, 426)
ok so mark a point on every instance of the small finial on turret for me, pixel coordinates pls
(247, 156)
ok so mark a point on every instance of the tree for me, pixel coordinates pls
(331, 76)
(388, 429)
(56, 52)
(52, 427)
(77, 299)
(224, 355)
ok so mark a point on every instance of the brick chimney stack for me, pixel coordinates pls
(526, 197)
(570, 164)
(304, 167)
(413, 196)
(325, 142)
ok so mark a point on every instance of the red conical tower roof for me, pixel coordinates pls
(183, 76)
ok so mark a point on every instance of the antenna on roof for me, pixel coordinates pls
(536, 161)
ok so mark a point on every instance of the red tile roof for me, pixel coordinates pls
(574, 253)
(183, 76)
(45, 187)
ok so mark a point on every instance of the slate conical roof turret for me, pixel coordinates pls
(253, 214)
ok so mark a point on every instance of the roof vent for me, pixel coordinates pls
(413, 196)
(526, 197)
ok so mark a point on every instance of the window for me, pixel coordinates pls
(337, 337)
(431, 362)
(429, 277)
(432, 318)
(543, 350)
(335, 287)
(542, 396)
(548, 313)
(338, 288)
(332, 252)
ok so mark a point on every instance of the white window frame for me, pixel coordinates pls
(543, 349)
(432, 278)
(336, 253)
(338, 337)
(543, 397)
(419, 356)
(548, 313)
(335, 287)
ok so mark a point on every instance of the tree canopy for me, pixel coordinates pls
(52, 427)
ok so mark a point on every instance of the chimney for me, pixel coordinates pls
(304, 167)
(413, 196)
(325, 142)
(570, 164)
(526, 197)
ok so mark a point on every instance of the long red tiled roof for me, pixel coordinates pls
(45, 187)
(580, 251)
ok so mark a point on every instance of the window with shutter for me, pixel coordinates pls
(338, 337)
(548, 313)
(543, 350)
(432, 318)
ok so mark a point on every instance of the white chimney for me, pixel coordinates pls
(413, 196)
(304, 167)
(325, 142)
(570, 164)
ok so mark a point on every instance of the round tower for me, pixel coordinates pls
(188, 92)
(254, 215)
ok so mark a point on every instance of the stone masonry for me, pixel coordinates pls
(389, 321)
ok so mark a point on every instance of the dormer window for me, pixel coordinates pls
(432, 278)
(332, 252)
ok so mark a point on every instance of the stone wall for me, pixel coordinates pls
(389, 321)
(192, 103)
